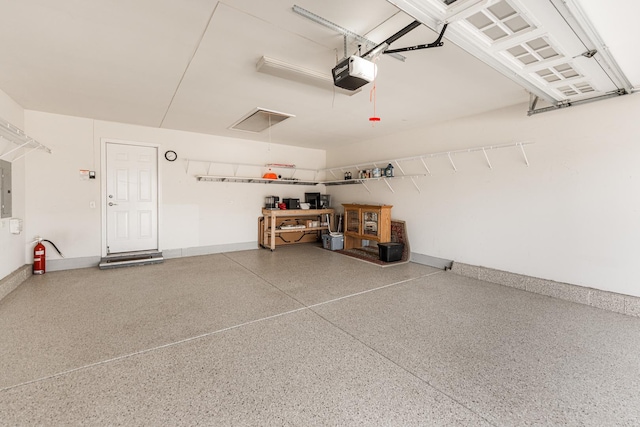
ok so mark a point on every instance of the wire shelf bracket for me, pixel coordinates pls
(24, 144)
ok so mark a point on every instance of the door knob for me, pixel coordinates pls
(113, 204)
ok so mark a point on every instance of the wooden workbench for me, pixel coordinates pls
(271, 220)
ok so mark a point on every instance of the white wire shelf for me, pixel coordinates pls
(400, 173)
(421, 161)
(386, 179)
(20, 144)
(283, 181)
(364, 180)
(423, 157)
(237, 172)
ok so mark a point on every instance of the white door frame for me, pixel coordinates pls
(103, 186)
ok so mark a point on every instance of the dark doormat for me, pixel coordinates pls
(370, 253)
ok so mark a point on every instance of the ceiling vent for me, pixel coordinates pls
(259, 119)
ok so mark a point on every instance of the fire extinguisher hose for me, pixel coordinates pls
(54, 245)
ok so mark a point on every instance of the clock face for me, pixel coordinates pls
(170, 155)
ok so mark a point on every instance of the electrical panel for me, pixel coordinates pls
(5, 189)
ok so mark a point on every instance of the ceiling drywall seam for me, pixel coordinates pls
(297, 34)
(184, 73)
(345, 32)
(375, 27)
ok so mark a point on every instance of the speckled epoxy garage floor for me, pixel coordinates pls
(304, 336)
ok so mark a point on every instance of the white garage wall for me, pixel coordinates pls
(572, 216)
(12, 253)
(193, 214)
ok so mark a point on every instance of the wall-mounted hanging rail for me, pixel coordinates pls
(363, 181)
(230, 172)
(19, 143)
(213, 178)
(423, 161)
(422, 157)
(231, 169)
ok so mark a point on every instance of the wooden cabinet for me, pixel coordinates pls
(366, 222)
(288, 226)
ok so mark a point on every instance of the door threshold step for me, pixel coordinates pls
(128, 259)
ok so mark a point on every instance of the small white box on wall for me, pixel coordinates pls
(15, 226)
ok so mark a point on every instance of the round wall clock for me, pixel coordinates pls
(170, 155)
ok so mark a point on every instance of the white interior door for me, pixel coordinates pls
(131, 198)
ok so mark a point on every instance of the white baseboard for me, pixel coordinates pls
(72, 263)
(611, 301)
(9, 283)
(208, 250)
(444, 264)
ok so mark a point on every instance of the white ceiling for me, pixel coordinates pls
(191, 65)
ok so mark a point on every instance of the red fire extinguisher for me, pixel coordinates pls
(40, 254)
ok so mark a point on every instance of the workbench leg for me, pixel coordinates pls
(273, 232)
(265, 234)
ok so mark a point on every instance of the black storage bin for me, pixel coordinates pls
(390, 252)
